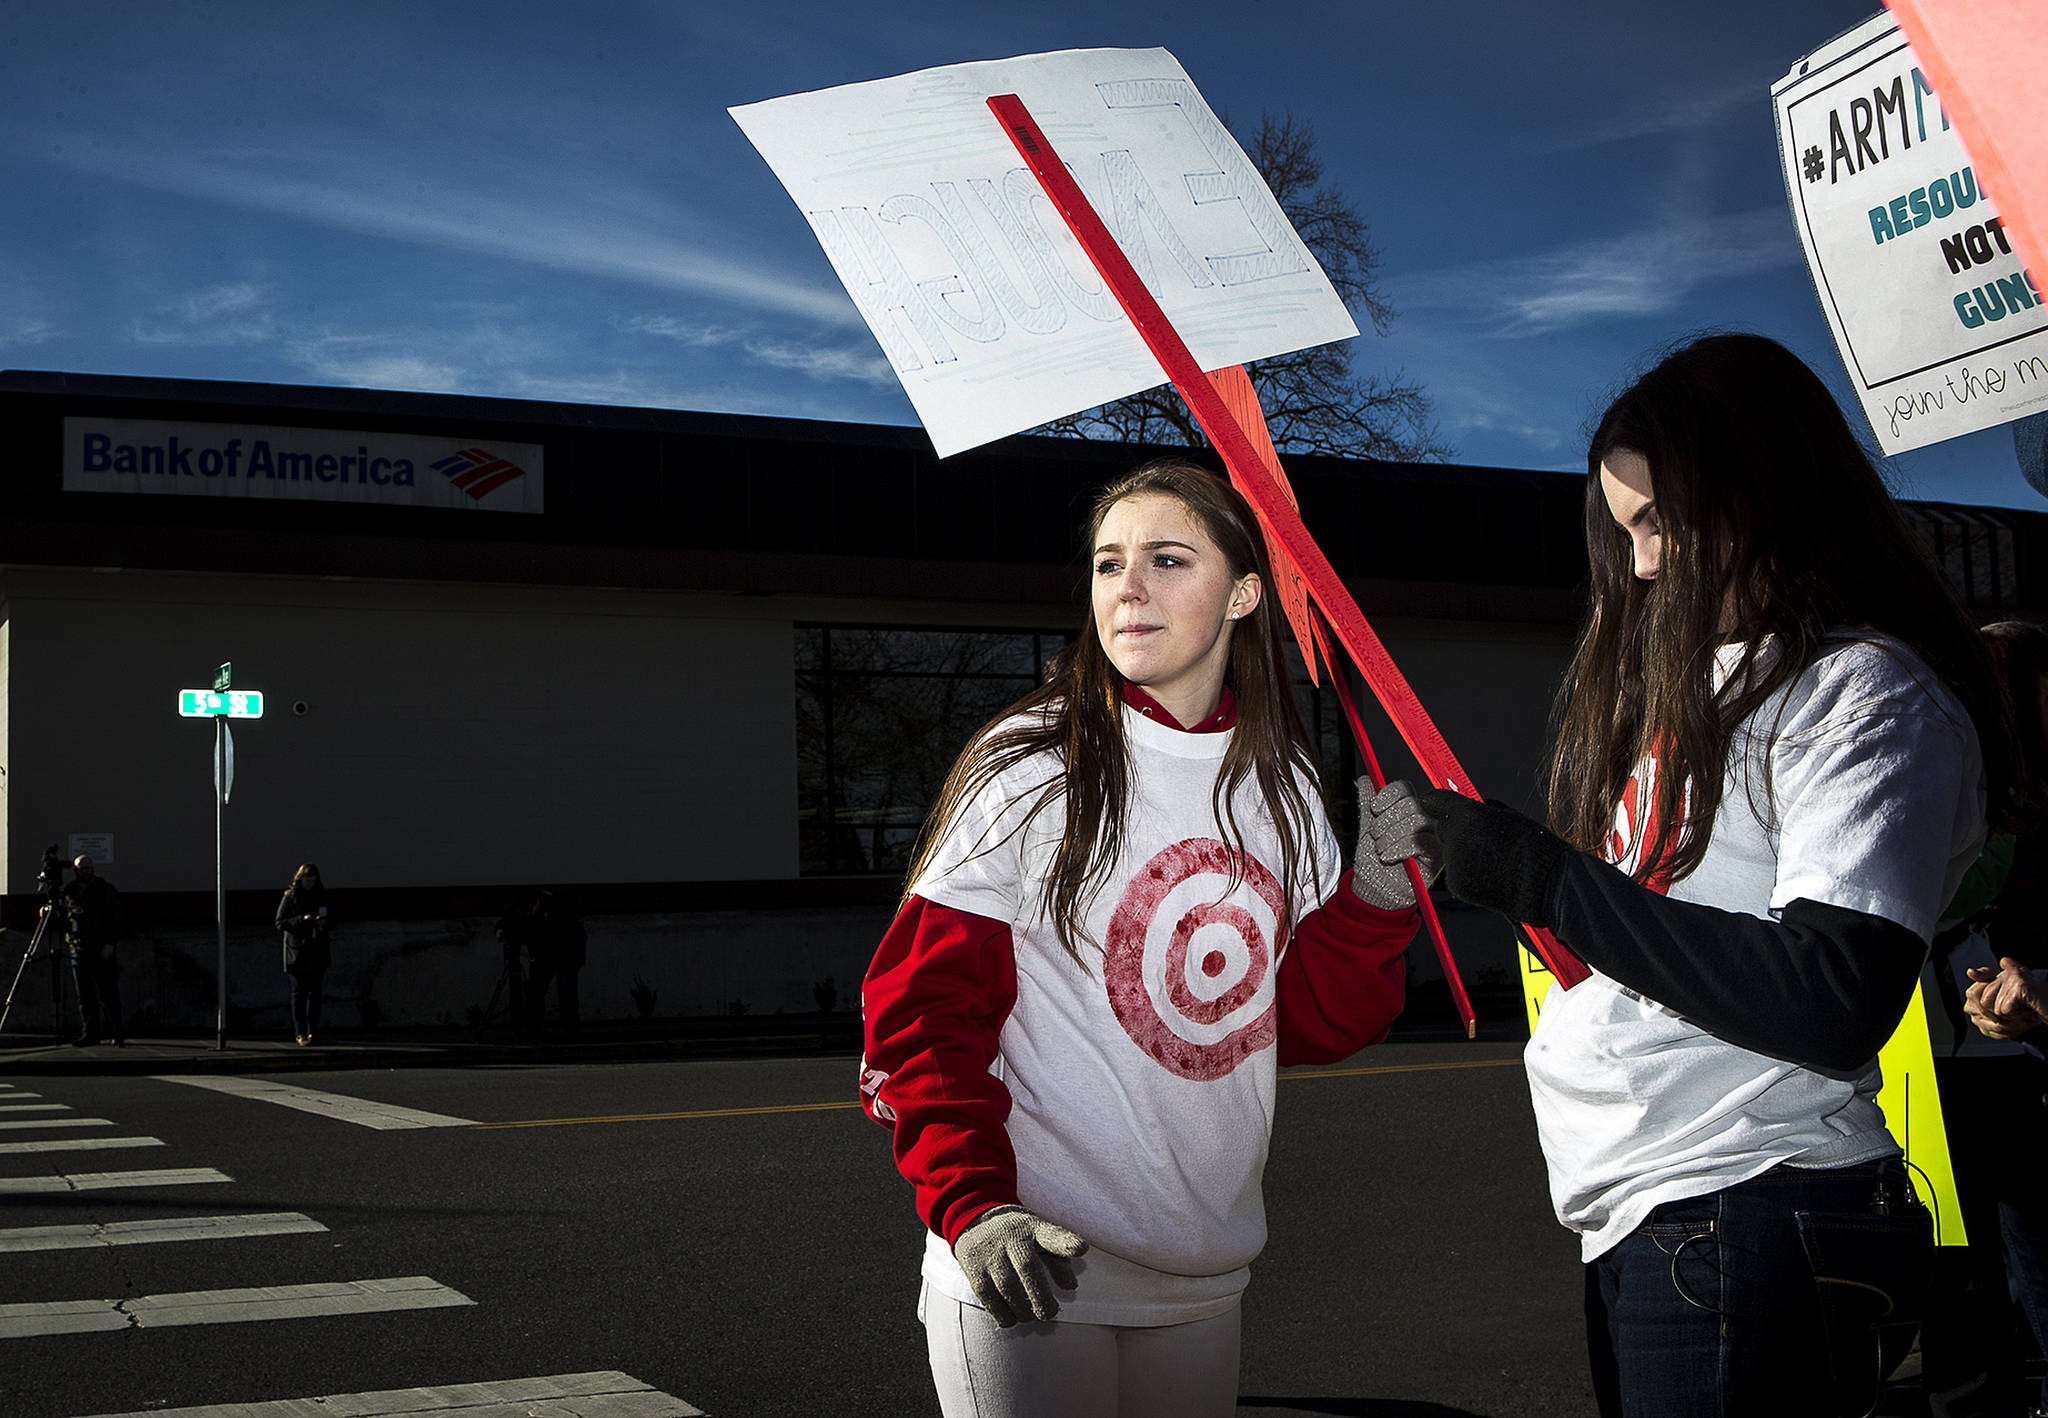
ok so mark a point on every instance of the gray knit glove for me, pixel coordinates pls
(1391, 829)
(1013, 1259)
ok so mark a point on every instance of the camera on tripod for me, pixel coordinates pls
(50, 880)
(49, 884)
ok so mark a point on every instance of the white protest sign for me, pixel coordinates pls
(986, 306)
(1941, 327)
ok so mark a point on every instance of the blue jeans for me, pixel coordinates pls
(97, 977)
(2024, 1229)
(306, 1004)
(1796, 1292)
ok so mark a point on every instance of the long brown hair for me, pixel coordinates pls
(1076, 716)
(1776, 527)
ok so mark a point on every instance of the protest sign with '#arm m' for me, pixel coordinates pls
(1941, 327)
(991, 314)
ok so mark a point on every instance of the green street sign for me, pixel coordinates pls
(212, 704)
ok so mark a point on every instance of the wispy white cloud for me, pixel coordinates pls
(622, 387)
(30, 313)
(235, 313)
(377, 195)
(638, 388)
(1639, 273)
(1474, 411)
(23, 331)
(865, 364)
(859, 360)
(684, 332)
(1681, 108)
(376, 361)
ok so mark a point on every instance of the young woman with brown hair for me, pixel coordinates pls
(302, 918)
(1775, 749)
(1127, 911)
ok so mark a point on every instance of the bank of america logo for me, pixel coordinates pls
(478, 473)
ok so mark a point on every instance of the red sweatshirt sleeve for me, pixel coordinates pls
(932, 1006)
(1343, 979)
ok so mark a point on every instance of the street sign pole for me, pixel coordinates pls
(220, 876)
(220, 704)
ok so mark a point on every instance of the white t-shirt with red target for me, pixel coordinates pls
(1129, 1099)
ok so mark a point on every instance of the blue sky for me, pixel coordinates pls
(549, 201)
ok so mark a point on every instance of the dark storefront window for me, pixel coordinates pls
(881, 713)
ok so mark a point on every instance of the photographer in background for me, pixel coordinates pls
(90, 910)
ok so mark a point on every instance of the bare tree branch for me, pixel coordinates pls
(1315, 401)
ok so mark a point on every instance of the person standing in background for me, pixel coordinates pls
(302, 917)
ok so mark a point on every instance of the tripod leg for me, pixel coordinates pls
(490, 1009)
(35, 942)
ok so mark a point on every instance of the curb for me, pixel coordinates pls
(151, 1056)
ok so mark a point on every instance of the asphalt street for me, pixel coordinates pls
(728, 1235)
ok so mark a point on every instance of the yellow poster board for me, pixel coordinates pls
(1911, 1102)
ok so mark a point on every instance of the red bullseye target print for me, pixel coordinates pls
(1183, 967)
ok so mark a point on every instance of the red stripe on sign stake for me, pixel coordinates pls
(1235, 388)
(1389, 686)
(1421, 887)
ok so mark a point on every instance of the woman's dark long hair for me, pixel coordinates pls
(1776, 527)
(1076, 717)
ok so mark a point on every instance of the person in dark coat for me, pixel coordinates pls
(302, 916)
(90, 909)
(557, 953)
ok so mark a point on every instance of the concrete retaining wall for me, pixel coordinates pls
(436, 972)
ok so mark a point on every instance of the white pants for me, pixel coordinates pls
(1068, 1370)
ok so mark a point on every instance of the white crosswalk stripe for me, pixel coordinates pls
(104, 1181)
(268, 1302)
(172, 1228)
(339, 1106)
(608, 1395)
(78, 1144)
(599, 1395)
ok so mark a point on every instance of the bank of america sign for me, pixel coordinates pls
(301, 465)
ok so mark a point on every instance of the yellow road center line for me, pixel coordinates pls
(670, 1117)
(840, 1107)
(1408, 1068)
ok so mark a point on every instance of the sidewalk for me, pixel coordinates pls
(448, 1047)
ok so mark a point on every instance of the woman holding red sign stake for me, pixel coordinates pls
(1775, 751)
(1128, 909)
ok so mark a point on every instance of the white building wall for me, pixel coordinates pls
(454, 734)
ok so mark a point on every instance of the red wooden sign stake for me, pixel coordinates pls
(1242, 400)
